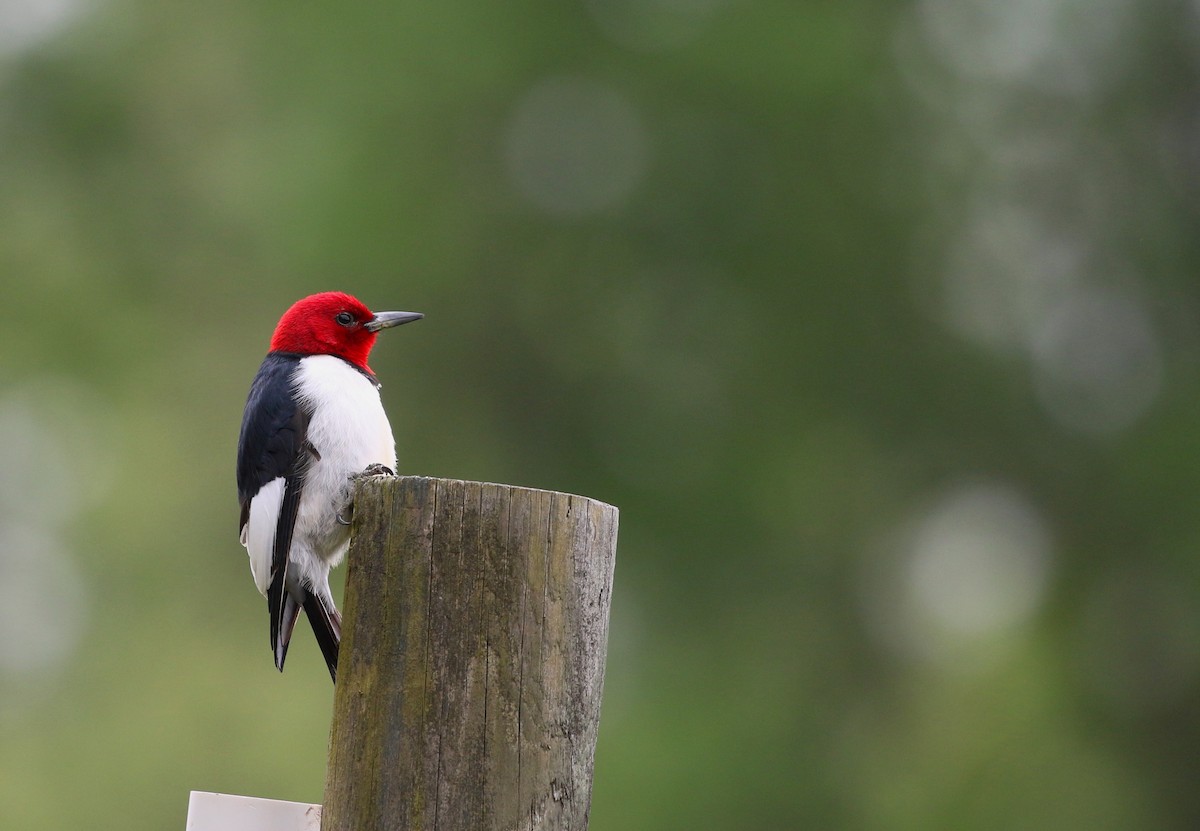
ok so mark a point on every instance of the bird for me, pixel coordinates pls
(313, 423)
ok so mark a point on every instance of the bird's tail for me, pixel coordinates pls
(284, 611)
(326, 625)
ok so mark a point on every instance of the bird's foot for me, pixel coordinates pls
(344, 517)
(375, 470)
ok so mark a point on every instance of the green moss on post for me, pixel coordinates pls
(472, 663)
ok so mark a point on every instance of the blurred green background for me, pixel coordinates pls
(878, 321)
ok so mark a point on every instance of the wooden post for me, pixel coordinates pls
(472, 662)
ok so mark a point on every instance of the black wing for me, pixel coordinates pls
(274, 428)
(273, 444)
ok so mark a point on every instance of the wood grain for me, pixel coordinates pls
(472, 663)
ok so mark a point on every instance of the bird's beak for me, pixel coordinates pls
(385, 320)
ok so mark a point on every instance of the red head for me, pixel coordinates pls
(333, 323)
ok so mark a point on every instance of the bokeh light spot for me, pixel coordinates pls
(25, 24)
(42, 602)
(575, 147)
(1003, 272)
(1059, 45)
(1097, 362)
(979, 561)
(961, 576)
(58, 455)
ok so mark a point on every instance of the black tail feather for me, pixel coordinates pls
(282, 626)
(282, 605)
(276, 593)
(327, 626)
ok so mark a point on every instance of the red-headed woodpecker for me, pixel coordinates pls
(313, 422)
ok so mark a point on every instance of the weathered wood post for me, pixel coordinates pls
(472, 662)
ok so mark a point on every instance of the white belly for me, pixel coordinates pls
(350, 432)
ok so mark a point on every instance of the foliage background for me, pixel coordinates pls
(878, 320)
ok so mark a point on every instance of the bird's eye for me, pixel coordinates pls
(345, 318)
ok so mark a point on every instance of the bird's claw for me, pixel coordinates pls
(375, 470)
(371, 470)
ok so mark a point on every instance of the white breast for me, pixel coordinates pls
(349, 427)
(350, 431)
